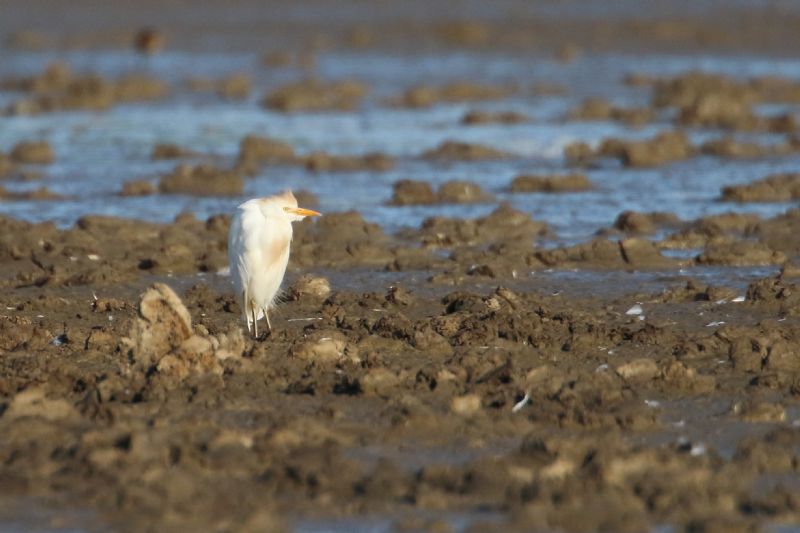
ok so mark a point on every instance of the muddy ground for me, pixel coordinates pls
(462, 375)
(428, 395)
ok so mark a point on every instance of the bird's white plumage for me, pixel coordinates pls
(258, 251)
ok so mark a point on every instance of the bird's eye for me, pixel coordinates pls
(287, 209)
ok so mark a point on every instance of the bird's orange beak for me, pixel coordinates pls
(301, 211)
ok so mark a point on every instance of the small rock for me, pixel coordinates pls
(324, 346)
(638, 370)
(468, 404)
(314, 287)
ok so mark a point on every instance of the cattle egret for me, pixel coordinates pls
(258, 251)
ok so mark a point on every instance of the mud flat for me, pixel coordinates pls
(556, 286)
(511, 399)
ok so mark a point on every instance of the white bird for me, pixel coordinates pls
(258, 251)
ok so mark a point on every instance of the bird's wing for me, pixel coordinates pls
(237, 251)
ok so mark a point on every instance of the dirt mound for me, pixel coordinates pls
(551, 184)
(781, 233)
(663, 149)
(33, 152)
(201, 180)
(138, 188)
(462, 91)
(340, 239)
(644, 223)
(631, 253)
(42, 193)
(232, 87)
(7, 167)
(717, 101)
(97, 250)
(601, 109)
(504, 224)
(738, 149)
(411, 192)
(494, 117)
(170, 151)
(727, 251)
(324, 162)
(774, 188)
(58, 89)
(461, 151)
(255, 151)
(313, 95)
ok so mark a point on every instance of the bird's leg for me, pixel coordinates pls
(269, 326)
(255, 321)
(245, 312)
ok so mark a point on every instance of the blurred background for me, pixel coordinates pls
(141, 109)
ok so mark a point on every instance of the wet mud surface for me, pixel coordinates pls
(529, 305)
(400, 385)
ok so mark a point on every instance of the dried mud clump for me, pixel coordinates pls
(663, 149)
(777, 294)
(313, 95)
(411, 192)
(462, 91)
(36, 255)
(600, 109)
(603, 254)
(644, 223)
(732, 252)
(201, 180)
(724, 226)
(233, 87)
(170, 151)
(7, 167)
(138, 188)
(551, 184)
(256, 151)
(502, 225)
(42, 193)
(310, 287)
(476, 117)
(58, 89)
(741, 239)
(340, 239)
(461, 151)
(781, 233)
(711, 100)
(462, 192)
(738, 149)
(324, 162)
(33, 153)
(774, 188)
(163, 343)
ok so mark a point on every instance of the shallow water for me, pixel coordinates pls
(97, 152)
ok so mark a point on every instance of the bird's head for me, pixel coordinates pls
(284, 206)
